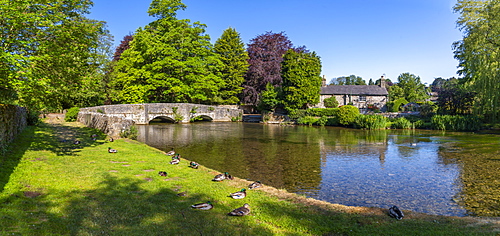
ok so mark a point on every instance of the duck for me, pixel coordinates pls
(93, 136)
(241, 211)
(77, 142)
(395, 212)
(111, 139)
(219, 177)
(239, 195)
(182, 194)
(177, 156)
(162, 173)
(203, 206)
(228, 176)
(111, 150)
(193, 165)
(175, 161)
(171, 153)
(256, 184)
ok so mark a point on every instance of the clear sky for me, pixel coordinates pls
(367, 38)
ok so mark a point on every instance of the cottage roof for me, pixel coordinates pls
(354, 90)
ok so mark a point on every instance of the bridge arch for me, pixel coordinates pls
(161, 119)
(201, 118)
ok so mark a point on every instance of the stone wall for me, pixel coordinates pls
(13, 120)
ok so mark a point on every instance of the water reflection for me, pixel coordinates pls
(351, 167)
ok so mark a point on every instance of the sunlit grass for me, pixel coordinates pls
(52, 187)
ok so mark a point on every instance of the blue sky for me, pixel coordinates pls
(367, 38)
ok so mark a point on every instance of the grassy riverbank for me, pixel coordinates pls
(52, 187)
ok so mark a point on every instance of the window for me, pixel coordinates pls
(362, 98)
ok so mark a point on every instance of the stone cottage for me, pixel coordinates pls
(360, 96)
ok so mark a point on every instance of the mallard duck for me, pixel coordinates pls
(256, 184)
(77, 142)
(175, 161)
(177, 156)
(219, 177)
(182, 194)
(203, 206)
(171, 153)
(162, 173)
(228, 176)
(193, 165)
(242, 211)
(396, 213)
(111, 150)
(93, 136)
(111, 139)
(239, 195)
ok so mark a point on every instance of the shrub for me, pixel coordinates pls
(33, 117)
(307, 120)
(331, 102)
(72, 114)
(396, 105)
(322, 121)
(371, 122)
(130, 133)
(329, 112)
(455, 122)
(296, 114)
(428, 109)
(401, 123)
(347, 114)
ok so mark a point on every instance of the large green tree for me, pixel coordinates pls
(301, 71)
(232, 53)
(478, 53)
(409, 87)
(50, 52)
(169, 60)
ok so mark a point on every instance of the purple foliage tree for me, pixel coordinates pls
(124, 45)
(266, 54)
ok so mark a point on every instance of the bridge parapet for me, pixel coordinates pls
(113, 119)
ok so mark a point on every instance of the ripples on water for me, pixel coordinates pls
(343, 166)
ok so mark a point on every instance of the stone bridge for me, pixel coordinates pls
(113, 119)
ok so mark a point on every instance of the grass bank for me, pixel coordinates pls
(50, 186)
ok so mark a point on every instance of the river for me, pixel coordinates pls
(443, 173)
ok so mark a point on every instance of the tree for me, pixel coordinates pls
(51, 53)
(170, 60)
(270, 98)
(411, 88)
(478, 53)
(454, 98)
(266, 54)
(233, 55)
(301, 71)
(348, 80)
(124, 45)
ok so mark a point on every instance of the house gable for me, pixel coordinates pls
(359, 96)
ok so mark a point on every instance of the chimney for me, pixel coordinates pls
(323, 82)
(382, 82)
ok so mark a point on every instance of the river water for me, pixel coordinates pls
(424, 171)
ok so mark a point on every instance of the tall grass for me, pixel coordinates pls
(371, 122)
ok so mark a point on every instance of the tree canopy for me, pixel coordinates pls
(478, 53)
(266, 54)
(170, 60)
(301, 71)
(409, 87)
(232, 53)
(348, 80)
(51, 53)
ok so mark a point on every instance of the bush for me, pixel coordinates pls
(328, 112)
(322, 121)
(331, 102)
(33, 117)
(307, 120)
(296, 114)
(396, 105)
(401, 123)
(455, 122)
(72, 114)
(371, 122)
(130, 133)
(347, 114)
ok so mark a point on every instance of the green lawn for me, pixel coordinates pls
(49, 186)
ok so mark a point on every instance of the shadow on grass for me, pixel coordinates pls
(121, 207)
(56, 138)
